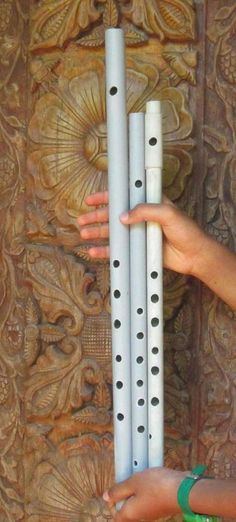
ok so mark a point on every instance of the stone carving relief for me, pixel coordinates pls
(55, 364)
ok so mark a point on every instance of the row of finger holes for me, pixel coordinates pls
(139, 359)
(153, 274)
(140, 335)
(154, 299)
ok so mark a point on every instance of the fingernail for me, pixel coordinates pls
(106, 496)
(124, 216)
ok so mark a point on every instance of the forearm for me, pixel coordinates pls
(216, 267)
(214, 497)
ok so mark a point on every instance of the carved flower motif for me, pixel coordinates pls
(69, 131)
(72, 489)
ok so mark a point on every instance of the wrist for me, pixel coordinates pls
(177, 479)
(207, 253)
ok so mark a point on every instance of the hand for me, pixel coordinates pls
(148, 495)
(184, 241)
(94, 224)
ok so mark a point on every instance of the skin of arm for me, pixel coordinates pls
(187, 249)
(152, 494)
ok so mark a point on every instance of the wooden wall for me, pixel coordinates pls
(56, 452)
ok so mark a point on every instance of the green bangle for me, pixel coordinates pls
(183, 496)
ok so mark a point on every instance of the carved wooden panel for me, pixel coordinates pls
(55, 363)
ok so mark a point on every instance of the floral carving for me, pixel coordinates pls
(71, 489)
(69, 132)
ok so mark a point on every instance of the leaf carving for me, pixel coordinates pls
(168, 19)
(103, 279)
(32, 313)
(51, 333)
(58, 384)
(110, 16)
(62, 281)
(91, 415)
(95, 38)
(133, 36)
(48, 399)
(183, 65)
(56, 21)
(183, 322)
(224, 13)
(102, 396)
(31, 348)
(215, 139)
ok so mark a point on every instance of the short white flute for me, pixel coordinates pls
(119, 248)
(154, 164)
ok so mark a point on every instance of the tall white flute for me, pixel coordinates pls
(154, 165)
(138, 296)
(119, 248)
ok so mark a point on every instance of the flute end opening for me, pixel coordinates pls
(153, 106)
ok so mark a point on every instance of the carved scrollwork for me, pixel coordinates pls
(222, 81)
(54, 23)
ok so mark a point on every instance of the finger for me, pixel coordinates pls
(98, 198)
(95, 232)
(113, 512)
(95, 216)
(162, 214)
(102, 252)
(128, 512)
(118, 492)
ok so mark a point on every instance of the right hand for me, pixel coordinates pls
(184, 241)
(148, 495)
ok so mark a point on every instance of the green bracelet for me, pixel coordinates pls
(183, 496)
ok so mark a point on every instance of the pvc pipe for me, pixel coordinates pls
(119, 248)
(138, 297)
(154, 164)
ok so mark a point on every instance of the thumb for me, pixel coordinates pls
(159, 213)
(119, 492)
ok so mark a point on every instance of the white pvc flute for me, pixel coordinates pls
(154, 165)
(119, 248)
(138, 296)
